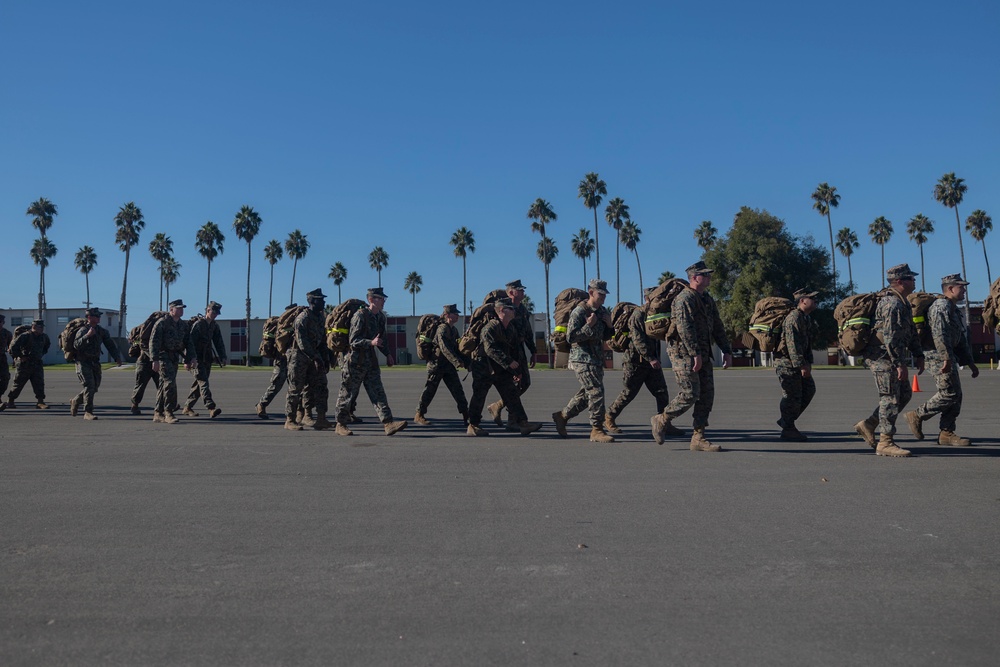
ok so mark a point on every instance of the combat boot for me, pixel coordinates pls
(261, 411)
(699, 443)
(420, 419)
(495, 410)
(188, 412)
(74, 406)
(355, 419)
(135, 409)
(792, 434)
(292, 425)
(866, 429)
(951, 439)
(157, 417)
(214, 412)
(610, 425)
(89, 416)
(527, 428)
(916, 424)
(11, 404)
(561, 422)
(40, 405)
(169, 418)
(3, 406)
(322, 423)
(307, 420)
(476, 431)
(394, 427)
(888, 447)
(598, 435)
(343, 430)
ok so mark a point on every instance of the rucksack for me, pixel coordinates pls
(284, 331)
(426, 344)
(138, 336)
(766, 323)
(338, 325)
(620, 316)
(661, 299)
(267, 347)
(469, 342)
(855, 316)
(566, 301)
(991, 307)
(68, 335)
(18, 330)
(920, 302)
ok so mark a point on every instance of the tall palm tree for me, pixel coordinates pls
(705, 235)
(949, 191)
(825, 198)
(85, 261)
(296, 245)
(665, 276)
(42, 250)
(378, 259)
(629, 235)
(583, 247)
(590, 190)
(43, 213)
(979, 224)
(209, 242)
(547, 252)
(171, 272)
(273, 254)
(616, 214)
(464, 243)
(128, 223)
(247, 225)
(847, 243)
(412, 285)
(541, 213)
(338, 274)
(881, 231)
(161, 248)
(918, 228)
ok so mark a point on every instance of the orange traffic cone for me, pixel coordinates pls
(916, 385)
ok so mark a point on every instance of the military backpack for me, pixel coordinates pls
(921, 302)
(620, 316)
(267, 347)
(426, 341)
(68, 335)
(284, 333)
(138, 336)
(661, 300)
(566, 301)
(469, 342)
(338, 325)
(855, 316)
(991, 307)
(18, 330)
(766, 323)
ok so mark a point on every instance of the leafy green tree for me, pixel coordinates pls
(247, 226)
(464, 242)
(918, 228)
(273, 254)
(825, 197)
(85, 261)
(590, 190)
(338, 274)
(43, 213)
(629, 236)
(583, 247)
(171, 272)
(949, 191)
(161, 248)
(541, 214)
(528, 304)
(880, 232)
(665, 276)
(617, 214)
(412, 285)
(705, 235)
(378, 259)
(847, 243)
(209, 241)
(296, 245)
(979, 224)
(128, 223)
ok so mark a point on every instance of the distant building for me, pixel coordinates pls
(56, 320)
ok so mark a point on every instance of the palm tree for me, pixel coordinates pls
(583, 247)
(979, 224)
(547, 251)
(338, 274)
(273, 254)
(616, 214)
(171, 272)
(847, 243)
(412, 285)
(161, 248)
(590, 190)
(950, 190)
(296, 246)
(464, 242)
(705, 235)
(85, 261)
(43, 213)
(629, 236)
(824, 198)
(209, 242)
(881, 231)
(42, 250)
(918, 228)
(128, 223)
(247, 225)
(378, 259)
(528, 304)
(665, 276)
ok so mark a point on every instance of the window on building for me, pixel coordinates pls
(62, 320)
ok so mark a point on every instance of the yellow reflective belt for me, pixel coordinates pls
(560, 329)
(919, 319)
(856, 320)
(658, 316)
(761, 327)
(330, 331)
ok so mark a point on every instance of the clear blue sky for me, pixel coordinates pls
(396, 123)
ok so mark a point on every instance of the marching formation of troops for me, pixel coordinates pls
(505, 354)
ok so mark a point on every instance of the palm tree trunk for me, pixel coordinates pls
(989, 278)
(597, 244)
(270, 292)
(548, 325)
(248, 303)
(961, 250)
(41, 291)
(86, 278)
(884, 283)
(340, 299)
(639, 266)
(121, 316)
(463, 284)
(618, 268)
(923, 282)
(380, 277)
(208, 284)
(833, 254)
(161, 285)
(291, 297)
(584, 259)
(850, 275)
(413, 295)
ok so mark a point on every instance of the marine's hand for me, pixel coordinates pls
(920, 366)
(727, 360)
(696, 363)
(390, 360)
(975, 370)
(655, 363)
(946, 366)
(591, 319)
(156, 366)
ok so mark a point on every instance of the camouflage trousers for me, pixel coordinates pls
(483, 378)
(634, 378)
(591, 394)
(521, 385)
(143, 374)
(353, 375)
(797, 392)
(166, 392)
(25, 372)
(278, 378)
(893, 395)
(4, 372)
(947, 401)
(438, 371)
(307, 386)
(200, 387)
(89, 373)
(694, 390)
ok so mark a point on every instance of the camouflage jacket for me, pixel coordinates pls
(796, 339)
(948, 331)
(522, 326)
(499, 345)
(89, 349)
(893, 332)
(5, 339)
(205, 335)
(446, 339)
(587, 341)
(170, 338)
(30, 347)
(697, 323)
(642, 348)
(310, 335)
(365, 327)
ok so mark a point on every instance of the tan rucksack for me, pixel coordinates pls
(469, 342)
(138, 336)
(68, 335)
(566, 301)
(920, 302)
(620, 316)
(426, 343)
(766, 323)
(338, 325)
(267, 346)
(855, 316)
(658, 322)
(991, 307)
(284, 333)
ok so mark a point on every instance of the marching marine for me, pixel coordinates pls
(444, 367)
(28, 350)
(308, 364)
(793, 362)
(522, 329)
(5, 339)
(170, 340)
(87, 343)
(205, 335)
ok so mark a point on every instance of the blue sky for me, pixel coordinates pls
(396, 123)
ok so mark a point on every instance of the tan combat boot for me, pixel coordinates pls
(74, 406)
(916, 424)
(951, 439)
(495, 410)
(307, 420)
(420, 419)
(214, 412)
(135, 409)
(41, 405)
(527, 428)
(699, 443)
(157, 417)
(188, 412)
(168, 418)
(476, 431)
(866, 429)
(292, 425)
(262, 411)
(610, 425)
(598, 435)
(561, 422)
(394, 427)
(888, 447)
(89, 416)
(343, 430)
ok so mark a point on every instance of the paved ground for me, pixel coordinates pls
(232, 541)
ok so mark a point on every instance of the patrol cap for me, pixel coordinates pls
(315, 295)
(93, 312)
(376, 291)
(3, 318)
(953, 279)
(214, 305)
(38, 323)
(803, 294)
(900, 271)
(599, 286)
(177, 303)
(514, 284)
(452, 309)
(699, 268)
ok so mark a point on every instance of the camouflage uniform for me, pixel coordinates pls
(278, 377)
(360, 366)
(5, 340)
(894, 325)
(586, 359)
(444, 367)
(521, 326)
(205, 335)
(491, 368)
(88, 362)
(308, 364)
(28, 350)
(950, 342)
(143, 374)
(794, 352)
(169, 340)
(642, 349)
(697, 322)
